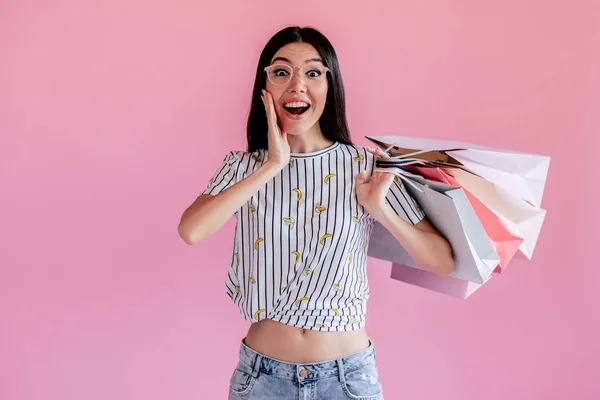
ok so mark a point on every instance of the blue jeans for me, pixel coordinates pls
(353, 376)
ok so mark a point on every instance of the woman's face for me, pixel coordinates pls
(298, 103)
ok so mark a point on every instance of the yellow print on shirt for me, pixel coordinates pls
(298, 194)
(319, 208)
(329, 176)
(300, 300)
(289, 222)
(297, 257)
(325, 236)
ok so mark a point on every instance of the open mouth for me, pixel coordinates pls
(296, 108)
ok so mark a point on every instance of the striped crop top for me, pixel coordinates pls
(300, 244)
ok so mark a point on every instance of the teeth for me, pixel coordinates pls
(296, 104)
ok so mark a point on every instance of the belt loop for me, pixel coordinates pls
(257, 363)
(341, 376)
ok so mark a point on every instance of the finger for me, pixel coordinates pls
(272, 107)
(274, 118)
(360, 178)
(267, 104)
(384, 176)
(382, 153)
(269, 109)
(264, 100)
(378, 152)
(383, 180)
(271, 121)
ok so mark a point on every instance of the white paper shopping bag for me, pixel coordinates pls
(521, 174)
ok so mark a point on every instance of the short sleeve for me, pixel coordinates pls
(225, 175)
(403, 203)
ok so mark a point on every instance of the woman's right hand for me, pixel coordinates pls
(279, 148)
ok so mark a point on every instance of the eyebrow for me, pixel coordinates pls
(288, 61)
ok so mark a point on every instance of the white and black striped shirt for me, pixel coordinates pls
(300, 247)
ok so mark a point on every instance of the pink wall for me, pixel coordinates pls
(114, 115)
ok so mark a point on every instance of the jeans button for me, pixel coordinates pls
(304, 373)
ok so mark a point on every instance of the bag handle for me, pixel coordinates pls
(404, 175)
(387, 150)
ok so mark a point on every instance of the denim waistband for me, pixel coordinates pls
(260, 363)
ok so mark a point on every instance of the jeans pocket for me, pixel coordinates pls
(241, 381)
(363, 383)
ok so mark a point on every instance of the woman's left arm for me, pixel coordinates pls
(430, 250)
(427, 247)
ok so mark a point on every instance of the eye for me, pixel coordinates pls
(280, 72)
(314, 73)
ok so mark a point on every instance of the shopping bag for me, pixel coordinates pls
(520, 174)
(519, 217)
(448, 209)
(428, 280)
(505, 242)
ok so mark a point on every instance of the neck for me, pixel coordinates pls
(308, 141)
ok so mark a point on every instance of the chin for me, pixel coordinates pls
(297, 128)
(294, 130)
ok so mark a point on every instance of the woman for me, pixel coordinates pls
(305, 206)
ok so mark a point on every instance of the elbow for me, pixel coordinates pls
(188, 236)
(445, 267)
(440, 262)
(441, 267)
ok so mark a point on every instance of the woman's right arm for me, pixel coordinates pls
(210, 212)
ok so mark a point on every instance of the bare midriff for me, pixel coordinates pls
(296, 345)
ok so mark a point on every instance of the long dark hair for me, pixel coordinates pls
(333, 123)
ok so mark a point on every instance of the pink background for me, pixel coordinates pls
(114, 115)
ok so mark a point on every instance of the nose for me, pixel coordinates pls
(297, 83)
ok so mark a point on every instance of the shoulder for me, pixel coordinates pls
(245, 162)
(354, 150)
(357, 153)
(241, 156)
